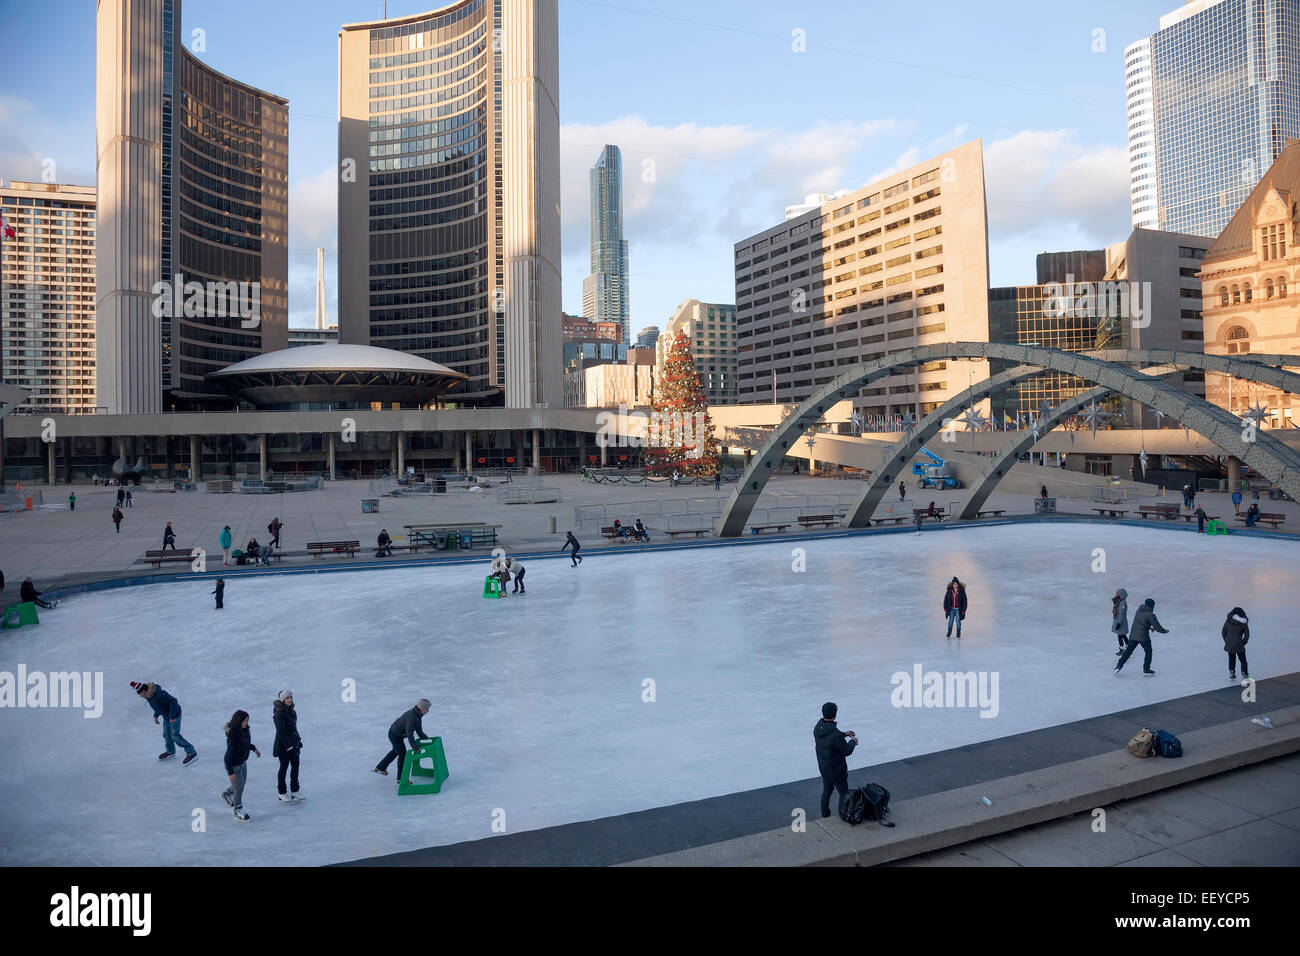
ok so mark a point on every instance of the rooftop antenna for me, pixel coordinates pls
(320, 288)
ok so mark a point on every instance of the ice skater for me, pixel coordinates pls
(117, 519)
(239, 741)
(833, 747)
(515, 567)
(288, 745)
(404, 728)
(1200, 519)
(30, 595)
(169, 538)
(917, 518)
(954, 605)
(168, 708)
(220, 592)
(226, 541)
(1236, 632)
(569, 539)
(1119, 619)
(1140, 634)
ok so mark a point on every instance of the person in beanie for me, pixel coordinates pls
(1236, 632)
(239, 741)
(1119, 619)
(516, 568)
(404, 728)
(1143, 621)
(168, 708)
(833, 746)
(226, 541)
(287, 744)
(954, 605)
(117, 519)
(220, 592)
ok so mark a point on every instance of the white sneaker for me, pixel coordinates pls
(285, 798)
(296, 796)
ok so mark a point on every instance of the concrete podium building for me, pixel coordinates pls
(449, 218)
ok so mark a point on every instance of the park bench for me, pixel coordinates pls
(896, 519)
(760, 528)
(824, 521)
(698, 532)
(1168, 512)
(616, 535)
(170, 555)
(1266, 517)
(925, 513)
(997, 513)
(320, 548)
(1111, 512)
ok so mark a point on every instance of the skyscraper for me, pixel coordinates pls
(1213, 96)
(605, 291)
(449, 218)
(192, 182)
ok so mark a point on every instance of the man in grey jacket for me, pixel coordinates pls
(1143, 621)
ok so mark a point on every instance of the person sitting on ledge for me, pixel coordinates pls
(931, 512)
(385, 544)
(252, 549)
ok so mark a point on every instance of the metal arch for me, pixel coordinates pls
(1010, 453)
(1267, 455)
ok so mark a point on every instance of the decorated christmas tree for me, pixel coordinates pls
(681, 431)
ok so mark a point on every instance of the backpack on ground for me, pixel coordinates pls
(869, 802)
(1167, 745)
(854, 810)
(1142, 744)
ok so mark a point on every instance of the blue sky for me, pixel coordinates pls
(721, 121)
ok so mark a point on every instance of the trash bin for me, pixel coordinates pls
(451, 541)
(466, 540)
(369, 506)
(440, 486)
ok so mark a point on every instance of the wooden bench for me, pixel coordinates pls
(698, 532)
(1266, 517)
(824, 521)
(1112, 512)
(618, 535)
(995, 513)
(1168, 512)
(760, 528)
(170, 555)
(321, 548)
(925, 513)
(894, 518)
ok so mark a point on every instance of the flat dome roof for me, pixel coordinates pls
(336, 357)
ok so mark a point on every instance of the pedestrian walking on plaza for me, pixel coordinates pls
(117, 519)
(515, 567)
(1236, 632)
(288, 745)
(72, 501)
(130, 502)
(169, 538)
(1119, 619)
(1236, 502)
(226, 541)
(569, 539)
(274, 530)
(902, 491)
(239, 742)
(167, 711)
(121, 496)
(1140, 634)
(408, 727)
(1200, 519)
(717, 480)
(833, 748)
(220, 591)
(954, 605)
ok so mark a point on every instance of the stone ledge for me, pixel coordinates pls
(959, 816)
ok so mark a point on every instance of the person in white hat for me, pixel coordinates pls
(287, 745)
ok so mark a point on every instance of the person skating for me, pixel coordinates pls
(274, 530)
(288, 745)
(72, 501)
(220, 591)
(1236, 632)
(1200, 519)
(117, 519)
(954, 605)
(516, 568)
(1140, 634)
(226, 541)
(169, 538)
(917, 518)
(30, 595)
(385, 544)
(569, 539)
(167, 711)
(239, 742)
(833, 747)
(1119, 619)
(404, 728)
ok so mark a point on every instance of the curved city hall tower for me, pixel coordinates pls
(192, 180)
(449, 188)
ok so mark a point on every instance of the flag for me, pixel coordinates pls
(6, 229)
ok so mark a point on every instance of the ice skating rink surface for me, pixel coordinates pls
(544, 701)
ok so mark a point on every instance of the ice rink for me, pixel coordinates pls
(539, 699)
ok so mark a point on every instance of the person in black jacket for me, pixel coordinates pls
(167, 707)
(117, 519)
(954, 605)
(274, 529)
(1236, 632)
(287, 743)
(833, 746)
(30, 595)
(169, 538)
(570, 540)
(385, 544)
(404, 728)
(220, 592)
(239, 741)
(1140, 633)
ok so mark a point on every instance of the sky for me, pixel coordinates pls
(726, 112)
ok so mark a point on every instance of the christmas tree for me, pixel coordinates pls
(681, 429)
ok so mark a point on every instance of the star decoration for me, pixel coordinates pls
(973, 420)
(1256, 413)
(1095, 415)
(908, 421)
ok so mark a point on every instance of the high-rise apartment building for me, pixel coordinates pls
(605, 291)
(47, 295)
(647, 337)
(1213, 96)
(192, 180)
(898, 263)
(449, 231)
(711, 328)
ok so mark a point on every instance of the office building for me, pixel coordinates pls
(711, 328)
(192, 209)
(47, 295)
(605, 291)
(301, 337)
(899, 263)
(449, 226)
(1213, 96)
(647, 337)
